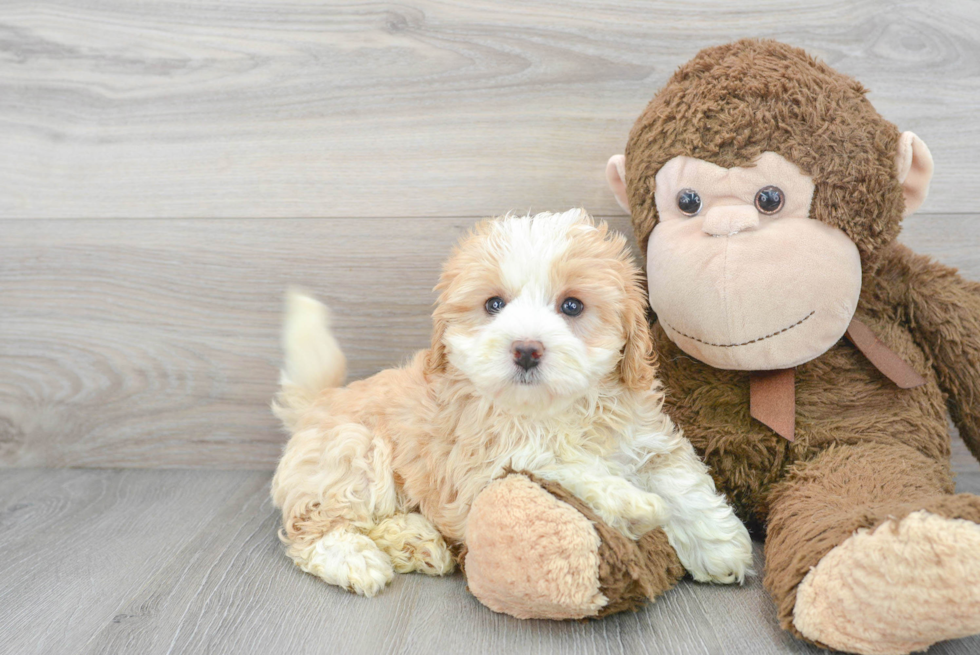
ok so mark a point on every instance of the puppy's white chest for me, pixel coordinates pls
(534, 445)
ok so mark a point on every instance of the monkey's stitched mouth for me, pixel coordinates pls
(744, 343)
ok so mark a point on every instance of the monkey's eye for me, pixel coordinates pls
(494, 305)
(769, 200)
(689, 202)
(572, 307)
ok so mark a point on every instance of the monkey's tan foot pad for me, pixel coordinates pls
(897, 589)
(534, 551)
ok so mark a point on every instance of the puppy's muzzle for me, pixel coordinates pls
(527, 354)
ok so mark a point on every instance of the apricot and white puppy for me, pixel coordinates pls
(539, 362)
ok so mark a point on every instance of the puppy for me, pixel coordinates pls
(540, 362)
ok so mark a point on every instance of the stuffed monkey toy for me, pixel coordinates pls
(808, 356)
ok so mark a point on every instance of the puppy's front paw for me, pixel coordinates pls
(635, 512)
(369, 572)
(720, 553)
(348, 559)
(413, 544)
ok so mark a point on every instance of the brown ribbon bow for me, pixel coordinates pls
(772, 394)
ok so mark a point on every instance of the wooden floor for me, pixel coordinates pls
(169, 168)
(182, 562)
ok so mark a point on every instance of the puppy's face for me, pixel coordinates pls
(536, 311)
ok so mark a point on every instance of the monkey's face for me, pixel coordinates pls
(739, 275)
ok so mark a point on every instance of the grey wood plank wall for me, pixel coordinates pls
(155, 343)
(286, 108)
(168, 169)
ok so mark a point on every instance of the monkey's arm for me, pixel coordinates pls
(944, 314)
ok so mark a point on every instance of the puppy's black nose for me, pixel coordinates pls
(527, 354)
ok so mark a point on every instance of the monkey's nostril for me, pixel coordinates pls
(527, 354)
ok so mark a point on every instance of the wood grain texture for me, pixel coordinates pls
(152, 562)
(77, 544)
(154, 343)
(287, 108)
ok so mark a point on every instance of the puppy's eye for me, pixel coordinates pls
(769, 200)
(494, 305)
(689, 202)
(572, 307)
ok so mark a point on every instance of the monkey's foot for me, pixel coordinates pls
(530, 555)
(898, 589)
(533, 550)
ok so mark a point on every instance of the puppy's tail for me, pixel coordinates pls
(313, 360)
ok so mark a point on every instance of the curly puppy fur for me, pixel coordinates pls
(379, 476)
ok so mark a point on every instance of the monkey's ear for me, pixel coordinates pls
(914, 165)
(616, 176)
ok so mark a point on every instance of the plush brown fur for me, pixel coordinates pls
(630, 573)
(864, 450)
(821, 503)
(624, 573)
(730, 104)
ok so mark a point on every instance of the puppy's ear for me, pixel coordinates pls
(637, 368)
(435, 359)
